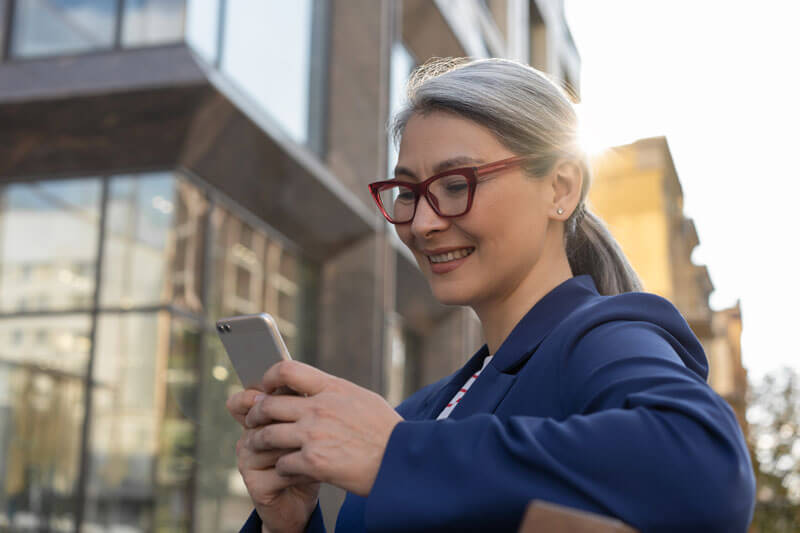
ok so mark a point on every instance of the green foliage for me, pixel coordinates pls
(774, 422)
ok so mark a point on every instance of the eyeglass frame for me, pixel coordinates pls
(421, 189)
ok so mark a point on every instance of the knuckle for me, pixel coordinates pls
(249, 440)
(318, 410)
(261, 438)
(315, 435)
(284, 370)
(313, 458)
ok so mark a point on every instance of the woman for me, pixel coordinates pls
(585, 394)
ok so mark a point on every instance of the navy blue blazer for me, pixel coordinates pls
(595, 402)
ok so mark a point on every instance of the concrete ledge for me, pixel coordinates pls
(156, 108)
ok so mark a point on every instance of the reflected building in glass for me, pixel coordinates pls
(165, 163)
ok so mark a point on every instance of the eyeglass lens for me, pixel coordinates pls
(450, 196)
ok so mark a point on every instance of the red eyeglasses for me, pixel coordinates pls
(449, 193)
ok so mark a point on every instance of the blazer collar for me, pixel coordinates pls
(520, 344)
(545, 315)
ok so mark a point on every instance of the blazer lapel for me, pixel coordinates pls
(485, 394)
(439, 398)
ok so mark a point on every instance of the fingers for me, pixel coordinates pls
(275, 436)
(299, 377)
(240, 403)
(270, 481)
(292, 464)
(257, 467)
(250, 459)
(276, 408)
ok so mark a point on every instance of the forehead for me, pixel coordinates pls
(439, 135)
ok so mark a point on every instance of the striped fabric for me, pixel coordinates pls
(462, 391)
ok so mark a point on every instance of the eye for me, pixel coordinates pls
(453, 186)
(456, 187)
(405, 196)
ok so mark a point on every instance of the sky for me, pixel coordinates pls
(720, 79)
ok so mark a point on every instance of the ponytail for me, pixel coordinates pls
(591, 249)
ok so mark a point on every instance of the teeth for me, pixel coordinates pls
(450, 256)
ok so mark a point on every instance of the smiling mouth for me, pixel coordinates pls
(450, 256)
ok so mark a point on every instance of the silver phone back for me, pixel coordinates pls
(253, 344)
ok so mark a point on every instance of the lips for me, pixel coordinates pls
(446, 260)
(450, 256)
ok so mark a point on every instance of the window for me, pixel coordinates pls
(267, 52)
(41, 419)
(160, 439)
(65, 217)
(47, 27)
(253, 272)
(143, 423)
(154, 248)
(202, 28)
(4, 5)
(149, 22)
(402, 63)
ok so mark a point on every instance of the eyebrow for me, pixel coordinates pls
(447, 164)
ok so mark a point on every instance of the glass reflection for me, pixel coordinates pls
(142, 438)
(238, 251)
(221, 497)
(267, 51)
(56, 270)
(254, 274)
(154, 247)
(402, 63)
(159, 385)
(202, 27)
(42, 369)
(3, 11)
(148, 22)
(45, 27)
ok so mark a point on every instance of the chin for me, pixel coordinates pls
(451, 295)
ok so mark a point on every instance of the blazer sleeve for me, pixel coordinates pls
(643, 438)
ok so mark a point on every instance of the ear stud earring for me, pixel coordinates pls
(560, 211)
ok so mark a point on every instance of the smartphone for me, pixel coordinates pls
(253, 344)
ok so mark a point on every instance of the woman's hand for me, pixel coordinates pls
(284, 503)
(338, 431)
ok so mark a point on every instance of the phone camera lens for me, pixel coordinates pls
(220, 328)
(227, 327)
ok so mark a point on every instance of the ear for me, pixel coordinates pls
(567, 181)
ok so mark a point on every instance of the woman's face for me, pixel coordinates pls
(504, 231)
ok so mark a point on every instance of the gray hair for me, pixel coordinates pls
(529, 115)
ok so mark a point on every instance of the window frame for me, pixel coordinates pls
(7, 37)
(204, 322)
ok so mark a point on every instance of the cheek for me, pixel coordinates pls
(404, 233)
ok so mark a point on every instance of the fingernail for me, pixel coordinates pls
(260, 397)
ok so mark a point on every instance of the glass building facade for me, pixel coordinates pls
(166, 163)
(250, 41)
(109, 287)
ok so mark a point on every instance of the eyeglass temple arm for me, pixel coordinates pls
(500, 165)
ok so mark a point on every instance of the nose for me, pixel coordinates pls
(426, 220)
